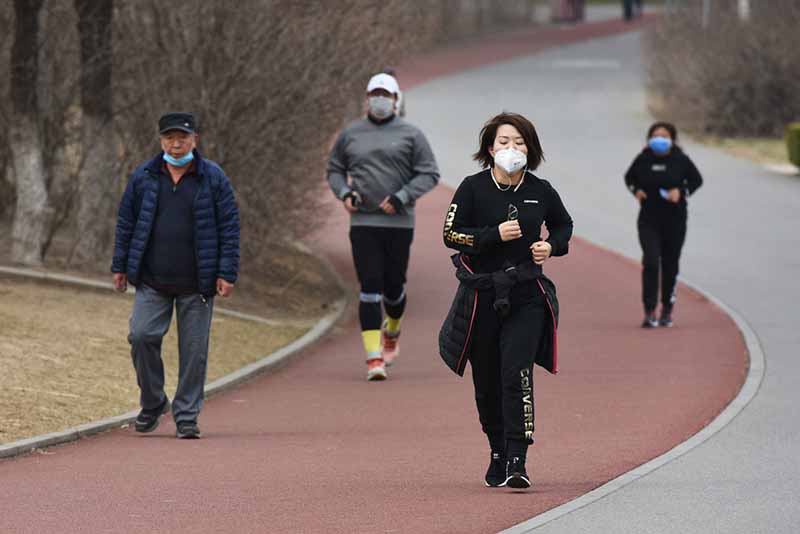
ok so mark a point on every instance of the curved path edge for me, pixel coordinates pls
(748, 391)
(262, 365)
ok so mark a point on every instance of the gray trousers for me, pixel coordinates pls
(152, 314)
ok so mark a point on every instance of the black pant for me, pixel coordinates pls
(662, 240)
(502, 354)
(381, 258)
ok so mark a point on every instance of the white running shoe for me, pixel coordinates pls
(390, 346)
(376, 369)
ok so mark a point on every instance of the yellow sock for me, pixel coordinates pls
(393, 325)
(372, 343)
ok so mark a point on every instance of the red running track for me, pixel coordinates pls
(315, 448)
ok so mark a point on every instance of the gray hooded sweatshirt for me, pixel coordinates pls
(392, 158)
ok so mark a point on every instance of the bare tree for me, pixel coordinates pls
(98, 176)
(33, 213)
(733, 78)
(271, 89)
(272, 81)
(7, 196)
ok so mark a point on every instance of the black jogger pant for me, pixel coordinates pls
(502, 355)
(381, 258)
(661, 240)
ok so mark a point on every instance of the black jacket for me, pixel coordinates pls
(651, 173)
(454, 336)
(478, 208)
(471, 227)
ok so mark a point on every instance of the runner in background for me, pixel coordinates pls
(390, 165)
(504, 316)
(661, 178)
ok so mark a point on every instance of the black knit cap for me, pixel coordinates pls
(177, 121)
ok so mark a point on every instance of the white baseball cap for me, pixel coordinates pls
(383, 81)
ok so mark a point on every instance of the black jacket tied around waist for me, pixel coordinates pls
(454, 336)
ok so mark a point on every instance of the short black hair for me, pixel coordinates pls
(524, 127)
(668, 126)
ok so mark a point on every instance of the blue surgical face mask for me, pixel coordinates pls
(660, 145)
(179, 162)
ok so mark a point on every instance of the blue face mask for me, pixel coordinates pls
(660, 145)
(179, 162)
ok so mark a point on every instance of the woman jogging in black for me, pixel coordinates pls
(661, 178)
(504, 316)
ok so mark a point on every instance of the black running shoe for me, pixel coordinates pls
(187, 430)
(650, 320)
(147, 420)
(666, 318)
(516, 476)
(496, 474)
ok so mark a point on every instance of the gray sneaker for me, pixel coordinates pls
(187, 430)
(147, 420)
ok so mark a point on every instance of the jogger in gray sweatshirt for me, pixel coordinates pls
(378, 167)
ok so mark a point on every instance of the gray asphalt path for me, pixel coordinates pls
(743, 246)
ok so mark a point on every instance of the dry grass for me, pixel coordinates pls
(66, 361)
(763, 150)
(758, 149)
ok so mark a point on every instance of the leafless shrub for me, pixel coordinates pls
(57, 101)
(271, 82)
(732, 77)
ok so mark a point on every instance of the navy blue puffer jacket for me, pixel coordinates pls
(216, 224)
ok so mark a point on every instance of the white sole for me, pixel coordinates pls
(377, 374)
(518, 482)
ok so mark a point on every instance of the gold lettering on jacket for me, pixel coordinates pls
(453, 236)
(527, 402)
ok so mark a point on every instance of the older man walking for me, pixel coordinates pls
(177, 242)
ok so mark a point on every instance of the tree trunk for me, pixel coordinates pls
(32, 213)
(98, 176)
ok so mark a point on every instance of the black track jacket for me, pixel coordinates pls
(471, 227)
(651, 173)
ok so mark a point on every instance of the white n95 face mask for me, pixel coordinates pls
(381, 107)
(510, 159)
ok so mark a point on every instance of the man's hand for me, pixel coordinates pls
(224, 288)
(640, 195)
(391, 205)
(387, 207)
(351, 201)
(541, 251)
(674, 195)
(510, 230)
(121, 282)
